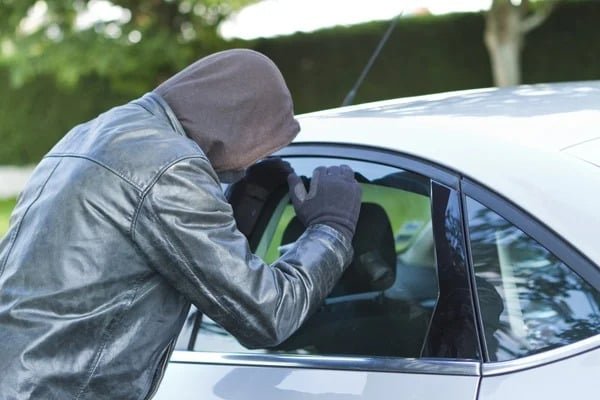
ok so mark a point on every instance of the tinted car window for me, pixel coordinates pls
(544, 303)
(384, 302)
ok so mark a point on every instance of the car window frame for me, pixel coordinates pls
(439, 176)
(551, 241)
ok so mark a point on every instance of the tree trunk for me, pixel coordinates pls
(505, 29)
(504, 40)
(505, 58)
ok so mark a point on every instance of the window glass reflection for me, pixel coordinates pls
(544, 303)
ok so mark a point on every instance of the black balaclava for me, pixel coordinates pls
(235, 105)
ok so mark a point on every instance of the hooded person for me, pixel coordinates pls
(235, 105)
(124, 223)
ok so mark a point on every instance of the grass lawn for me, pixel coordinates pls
(6, 206)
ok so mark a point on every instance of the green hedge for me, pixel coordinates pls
(566, 47)
(36, 116)
(423, 55)
(431, 54)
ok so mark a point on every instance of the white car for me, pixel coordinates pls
(476, 273)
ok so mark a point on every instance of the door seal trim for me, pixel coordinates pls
(541, 359)
(381, 364)
(374, 155)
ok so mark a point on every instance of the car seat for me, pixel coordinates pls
(355, 319)
(373, 267)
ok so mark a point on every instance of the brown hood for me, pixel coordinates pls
(235, 105)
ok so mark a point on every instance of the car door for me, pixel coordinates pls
(401, 321)
(543, 339)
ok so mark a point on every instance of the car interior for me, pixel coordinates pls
(384, 302)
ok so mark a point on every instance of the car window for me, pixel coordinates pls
(543, 304)
(383, 304)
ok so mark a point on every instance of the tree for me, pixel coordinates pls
(133, 43)
(507, 23)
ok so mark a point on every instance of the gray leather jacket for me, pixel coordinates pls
(121, 226)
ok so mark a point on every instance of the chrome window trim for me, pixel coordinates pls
(541, 359)
(374, 155)
(374, 364)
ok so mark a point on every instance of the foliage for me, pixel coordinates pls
(36, 115)
(6, 207)
(138, 42)
(429, 55)
(424, 55)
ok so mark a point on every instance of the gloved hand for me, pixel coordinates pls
(247, 196)
(333, 199)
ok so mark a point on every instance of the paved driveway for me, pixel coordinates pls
(13, 179)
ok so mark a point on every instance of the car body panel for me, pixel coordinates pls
(588, 151)
(572, 378)
(208, 382)
(548, 357)
(537, 147)
(517, 154)
(554, 116)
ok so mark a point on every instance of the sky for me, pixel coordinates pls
(280, 17)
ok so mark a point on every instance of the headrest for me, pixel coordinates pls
(373, 267)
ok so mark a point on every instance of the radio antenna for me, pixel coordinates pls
(352, 93)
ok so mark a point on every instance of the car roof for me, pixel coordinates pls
(537, 145)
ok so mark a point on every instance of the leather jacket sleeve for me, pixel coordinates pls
(185, 228)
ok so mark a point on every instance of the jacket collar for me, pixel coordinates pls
(156, 105)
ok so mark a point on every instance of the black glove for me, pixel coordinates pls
(247, 196)
(333, 199)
